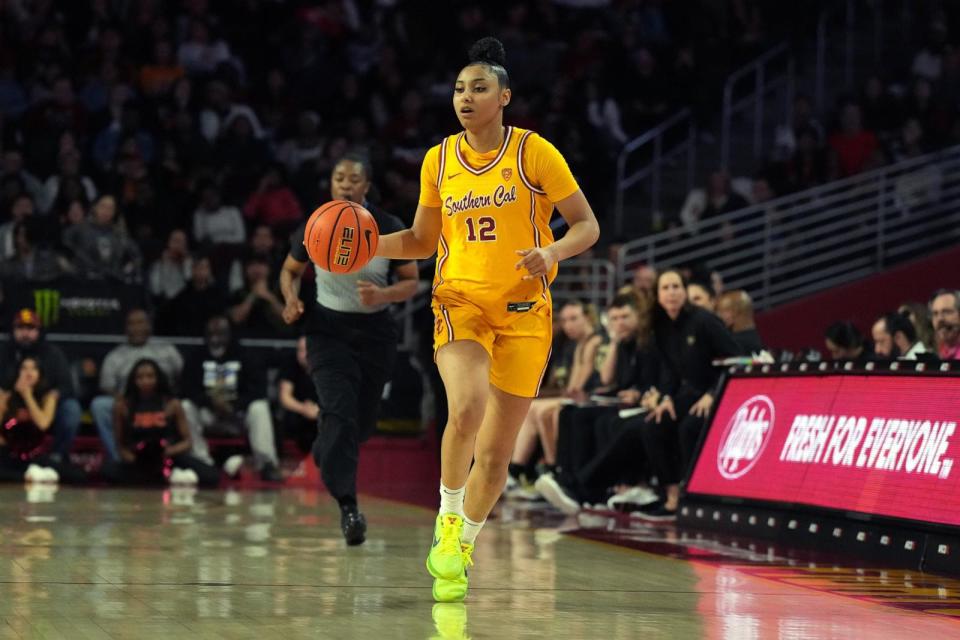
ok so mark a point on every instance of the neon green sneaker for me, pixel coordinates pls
(450, 620)
(446, 559)
(455, 590)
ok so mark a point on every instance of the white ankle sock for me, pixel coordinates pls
(470, 530)
(451, 500)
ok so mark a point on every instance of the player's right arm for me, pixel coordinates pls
(419, 242)
(290, 275)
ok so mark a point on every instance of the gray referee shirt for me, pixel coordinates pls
(338, 292)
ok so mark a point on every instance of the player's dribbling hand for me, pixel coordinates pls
(537, 262)
(292, 311)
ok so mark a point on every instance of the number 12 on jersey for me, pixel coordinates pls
(483, 229)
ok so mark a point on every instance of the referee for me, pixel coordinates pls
(351, 344)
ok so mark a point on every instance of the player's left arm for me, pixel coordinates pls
(407, 277)
(550, 171)
(583, 234)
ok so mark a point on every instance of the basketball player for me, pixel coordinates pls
(351, 344)
(486, 197)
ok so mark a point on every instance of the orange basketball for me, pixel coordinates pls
(341, 237)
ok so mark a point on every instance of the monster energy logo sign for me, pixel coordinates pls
(46, 302)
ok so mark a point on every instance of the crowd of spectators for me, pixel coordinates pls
(902, 113)
(141, 137)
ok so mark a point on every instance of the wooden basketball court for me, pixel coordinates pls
(108, 563)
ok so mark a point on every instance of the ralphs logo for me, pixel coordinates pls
(745, 437)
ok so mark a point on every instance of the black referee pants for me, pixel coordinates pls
(351, 358)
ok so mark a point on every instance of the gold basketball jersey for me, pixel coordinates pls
(493, 204)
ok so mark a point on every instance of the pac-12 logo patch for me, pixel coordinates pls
(745, 437)
(506, 173)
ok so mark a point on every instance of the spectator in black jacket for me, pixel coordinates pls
(226, 392)
(27, 340)
(688, 339)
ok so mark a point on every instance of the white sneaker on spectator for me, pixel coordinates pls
(639, 496)
(556, 495)
(232, 465)
(189, 477)
(176, 476)
(510, 485)
(49, 475)
(34, 473)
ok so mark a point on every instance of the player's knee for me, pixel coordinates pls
(465, 420)
(492, 463)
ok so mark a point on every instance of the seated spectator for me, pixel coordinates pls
(853, 149)
(168, 276)
(216, 223)
(201, 53)
(701, 294)
(274, 203)
(845, 342)
(12, 166)
(573, 374)
(921, 186)
(620, 371)
(644, 278)
(688, 339)
(256, 309)
(735, 308)
(919, 316)
(202, 297)
(928, 62)
(20, 210)
(27, 408)
(721, 198)
(945, 312)
(55, 186)
(599, 448)
(879, 110)
(116, 368)
(804, 119)
(298, 399)
(126, 126)
(263, 244)
(226, 393)
(32, 262)
(306, 147)
(151, 433)
(158, 76)
(99, 248)
(27, 340)
(894, 337)
(805, 168)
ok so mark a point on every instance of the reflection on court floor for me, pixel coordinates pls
(109, 563)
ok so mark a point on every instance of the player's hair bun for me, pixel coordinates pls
(488, 50)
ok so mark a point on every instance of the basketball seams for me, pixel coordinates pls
(333, 235)
(356, 251)
(312, 222)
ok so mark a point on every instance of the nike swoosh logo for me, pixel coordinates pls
(436, 541)
(454, 175)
